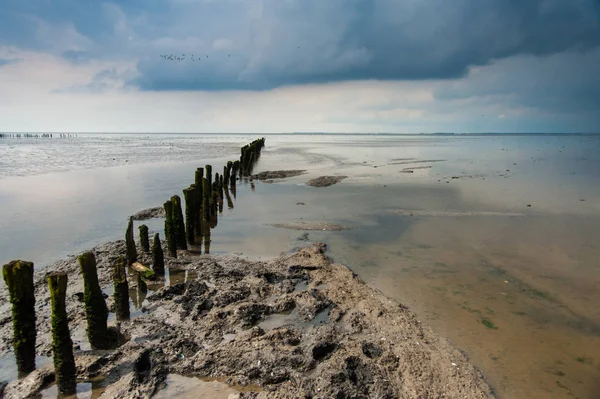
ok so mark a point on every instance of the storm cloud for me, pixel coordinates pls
(260, 45)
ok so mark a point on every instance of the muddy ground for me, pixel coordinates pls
(297, 326)
(325, 181)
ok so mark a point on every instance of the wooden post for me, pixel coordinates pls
(18, 276)
(96, 311)
(62, 345)
(144, 241)
(205, 199)
(158, 259)
(130, 243)
(178, 223)
(121, 294)
(209, 178)
(189, 195)
(169, 232)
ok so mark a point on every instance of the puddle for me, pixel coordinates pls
(173, 277)
(301, 286)
(228, 338)
(321, 317)
(8, 366)
(91, 389)
(180, 387)
(291, 317)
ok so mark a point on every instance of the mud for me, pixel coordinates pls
(277, 174)
(298, 326)
(310, 226)
(150, 213)
(325, 181)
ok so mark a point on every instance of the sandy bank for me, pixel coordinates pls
(296, 326)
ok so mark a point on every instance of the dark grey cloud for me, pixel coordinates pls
(264, 44)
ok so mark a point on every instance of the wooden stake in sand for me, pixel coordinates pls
(189, 196)
(18, 276)
(96, 311)
(130, 243)
(169, 231)
(178, 223)
(144, 241)
(62, 345)
(121, 294)
(158, 258)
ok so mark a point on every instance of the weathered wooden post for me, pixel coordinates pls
(209, 177)
(18, 276)
(121, 293)
(206, 236)
(235, 169)
(169, 231)
(96, 311)
(215, 202)
(178, 223)
(130, 243)
(158, 259)
(189, 196)
(205, 199)
(62, 345)
(144, 241)
(228, 172)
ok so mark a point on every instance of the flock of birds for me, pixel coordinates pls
(183, 57)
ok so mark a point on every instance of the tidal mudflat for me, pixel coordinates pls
(492, 241)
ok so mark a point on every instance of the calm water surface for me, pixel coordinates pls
(493, 241)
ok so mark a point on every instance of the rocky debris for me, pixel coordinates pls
(308, 226)
(325, 181)
(150, 213)
(277, 174)
(245, 324)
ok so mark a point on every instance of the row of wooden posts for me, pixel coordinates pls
(203, 199)
(35, 135)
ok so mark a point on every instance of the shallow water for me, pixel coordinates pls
(515, 286)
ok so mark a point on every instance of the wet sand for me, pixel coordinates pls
(296, 326)
(513, 285)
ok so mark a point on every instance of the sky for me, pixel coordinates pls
(216, 66)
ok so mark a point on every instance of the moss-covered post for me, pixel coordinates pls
(96, 311)
(130, 243)
(215, 204)
(189, 196)
(205, 199)
(144, 241)
(206, 236)
(178, 223)
(18, 276)
(62, 345)
(209, 177)
(121, 294)
(169, 231)
(158, 258)
(234, 173)
(228, 172)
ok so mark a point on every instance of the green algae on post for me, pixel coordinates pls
(96, 311)
(170, 237)
(130, 243)
(121, 294)
(62, 345)
(209, 178)
(189, 196)
(18, 276)
(144, 241)
(158, 259)
(178, 223)
(205, 200)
